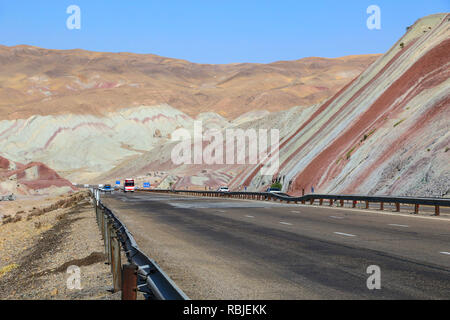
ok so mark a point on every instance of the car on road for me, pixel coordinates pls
(273, 190)
(106, 188)
(223, 189)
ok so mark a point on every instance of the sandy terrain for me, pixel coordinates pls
(37, 250)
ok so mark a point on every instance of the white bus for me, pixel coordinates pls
(128, 186)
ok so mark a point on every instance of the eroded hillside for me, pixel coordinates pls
(385, 132)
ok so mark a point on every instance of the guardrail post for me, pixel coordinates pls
(99, 217)
(108, 240)
(116, 266)
(103, 217)
(110, 230)
(129, 282)
(104, 231)
(96, 212)
(436, 211)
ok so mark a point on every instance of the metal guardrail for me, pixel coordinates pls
(148, 276)
(10, 197)
(311, 198)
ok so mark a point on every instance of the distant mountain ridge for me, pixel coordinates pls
(36, 81)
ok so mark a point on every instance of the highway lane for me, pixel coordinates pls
(239, 249)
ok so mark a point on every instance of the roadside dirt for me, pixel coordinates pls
(37, 247)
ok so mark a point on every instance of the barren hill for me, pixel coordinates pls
(32, 178)
(35, 81)
(385, 132)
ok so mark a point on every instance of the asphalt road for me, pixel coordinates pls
(240, 249)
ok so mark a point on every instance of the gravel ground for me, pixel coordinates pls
(37, 250)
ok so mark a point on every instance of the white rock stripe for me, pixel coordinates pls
(286, 223)
(444, 252)
(249, 216)
(345, 234)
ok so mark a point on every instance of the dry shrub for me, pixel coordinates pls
(61, 204)
(8, 219)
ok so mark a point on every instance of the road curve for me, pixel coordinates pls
(239, 249)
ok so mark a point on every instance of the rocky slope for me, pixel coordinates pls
(385, 132)
(82, 146)
(82, 113)
(30, 179)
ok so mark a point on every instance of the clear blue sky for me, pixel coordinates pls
(214, 31)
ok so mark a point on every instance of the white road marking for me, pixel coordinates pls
(249, 216)
(334, 217)
(295, 211)
(286, 223)
(345, 234)
(447, 253)
(223, 211)
(399, 225)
